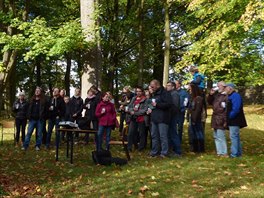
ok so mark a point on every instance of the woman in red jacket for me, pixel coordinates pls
(106, 114)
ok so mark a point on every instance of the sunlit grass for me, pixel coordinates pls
(36, 174)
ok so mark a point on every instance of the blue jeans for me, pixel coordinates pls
(236, 148)
(174, 137)
(220, 141)
(52, 123)
(179, 123)
(196, 137)
(32, 124)
(100, 133)
(159, 135)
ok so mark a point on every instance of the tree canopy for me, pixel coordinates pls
(43, 43)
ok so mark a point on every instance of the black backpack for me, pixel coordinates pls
(104, 157)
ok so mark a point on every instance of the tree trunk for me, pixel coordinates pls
(167, 45)
(90, 74)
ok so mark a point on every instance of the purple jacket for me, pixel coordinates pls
(108, 118)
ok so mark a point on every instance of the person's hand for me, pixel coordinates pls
(212, 91)
(132, 112)
(154, 104)
(149, 111)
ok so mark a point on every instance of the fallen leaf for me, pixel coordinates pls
(155, 194)
(144, 188)
(130, 191)
(244, 187)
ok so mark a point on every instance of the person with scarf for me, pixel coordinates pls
(137, 127)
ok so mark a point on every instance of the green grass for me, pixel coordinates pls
(36, 174)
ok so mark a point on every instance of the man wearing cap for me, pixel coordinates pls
(218, 99)
(20, 107)
(235, 119)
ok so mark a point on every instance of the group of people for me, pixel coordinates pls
(158, 111)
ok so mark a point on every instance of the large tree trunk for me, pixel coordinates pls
(90, 74)
(167, 44)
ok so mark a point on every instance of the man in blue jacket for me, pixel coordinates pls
(184, 100)
(235, 119)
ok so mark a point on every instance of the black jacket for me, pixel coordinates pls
(21, 111)
(58, 110)
(161, 113)
(76, 106)
(90, 106)
(42, 111)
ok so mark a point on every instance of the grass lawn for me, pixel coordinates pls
(37, 174)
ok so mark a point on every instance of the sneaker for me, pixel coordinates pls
(37, 148)
(176, 155)
(163, 156)
(23, 148)
(152, 156)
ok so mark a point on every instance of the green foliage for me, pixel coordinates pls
(221, 38)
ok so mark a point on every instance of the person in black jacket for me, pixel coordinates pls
(160, 119)
(67, 113)
(56, 111)
(90, 104)
(20, 108)
(36, 114)
(76, 107)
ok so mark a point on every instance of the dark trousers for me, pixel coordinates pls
(95, 127)
(122, 119)
(20, 126)
(174, 138)
(179, 124)
(137, 129)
